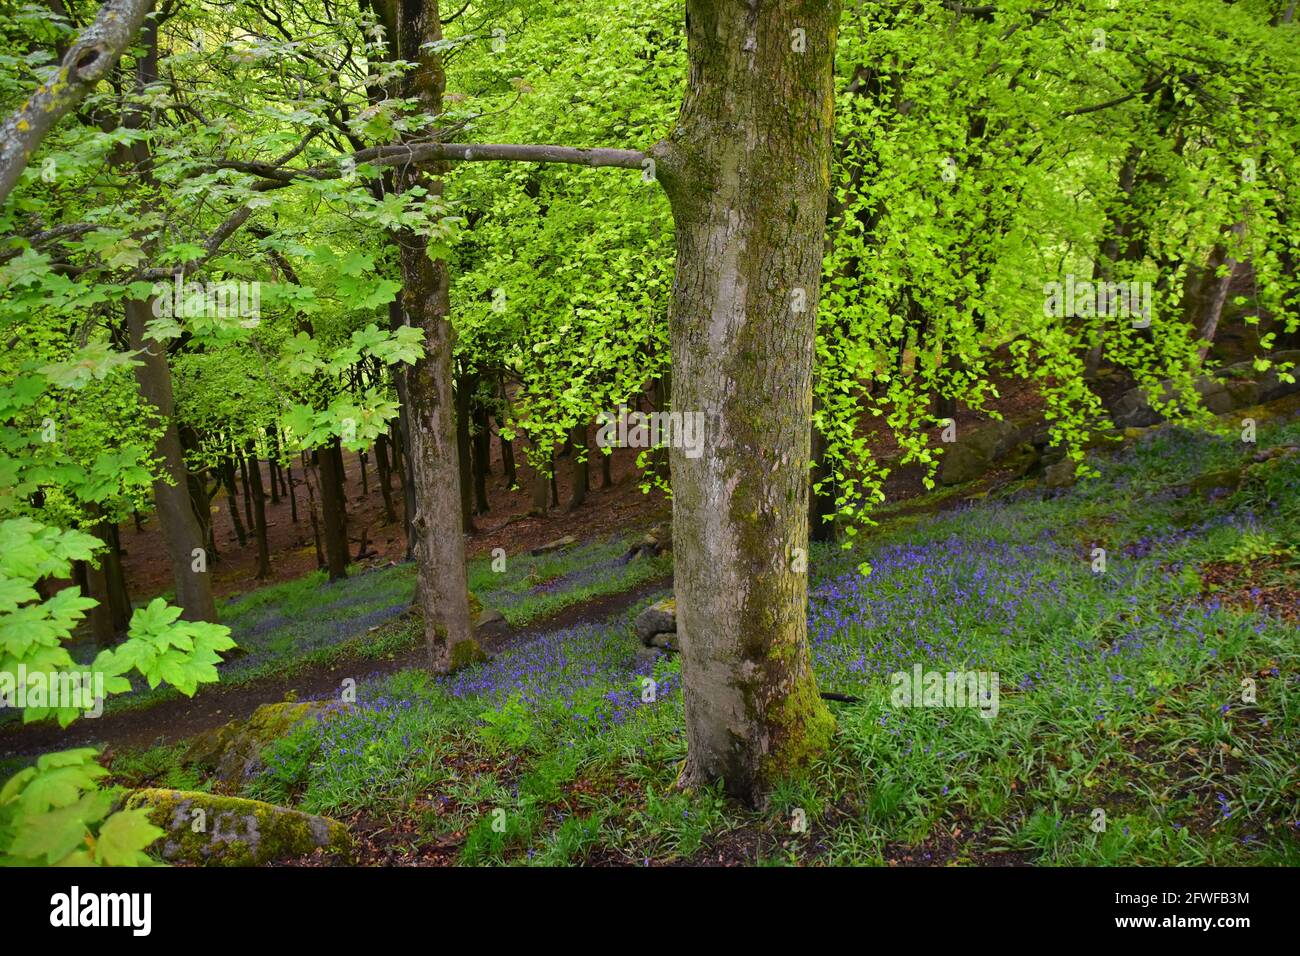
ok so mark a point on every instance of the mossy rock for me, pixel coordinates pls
(233, 752)
(213, 830)
(976, 451)
(658, 618)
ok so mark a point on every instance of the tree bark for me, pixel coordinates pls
(232, 502)
(259, 512)
(1220, 285)
(248, 497)
(747, 171)
(331, 494)
(385, 478)
(119, 599)
(181, 532)
(435, 475)
(401, 440)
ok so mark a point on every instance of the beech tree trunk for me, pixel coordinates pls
(747, 171)
(331, 495)
(435, 477)
(181, 532)
(400, 440)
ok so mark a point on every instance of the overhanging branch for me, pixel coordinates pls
(87, 62)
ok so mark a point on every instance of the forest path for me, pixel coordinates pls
(179, 718)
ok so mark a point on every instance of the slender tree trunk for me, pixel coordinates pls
(232, 502)
(181, 532)
(385, 479)
(248, 497)
(259, 512)
(102, 631)
(606, 475)
(581, 472)
(106, 584)
(119, 599)
(331, 493)
(365, 482)
(464, 456)
(309, 481)
(273, 465)
(1220, 286)
(293, 499)
(747, 171)
(507, 458)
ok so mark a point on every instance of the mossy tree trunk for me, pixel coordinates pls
(747, 170)
(413, 27)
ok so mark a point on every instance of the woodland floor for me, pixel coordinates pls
(1120, 691)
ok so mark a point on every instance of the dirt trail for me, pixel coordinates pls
(177, 719)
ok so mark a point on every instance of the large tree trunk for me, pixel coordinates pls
(443, 591)
(747, 172)
(401, 440)
(181, 532)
